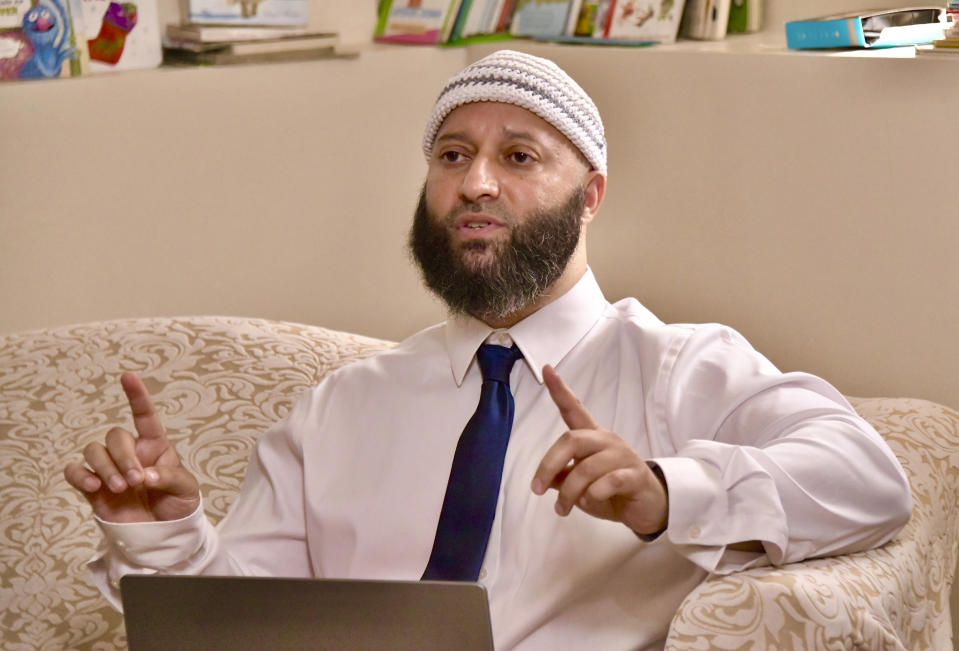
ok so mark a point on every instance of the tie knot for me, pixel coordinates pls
(497, 361)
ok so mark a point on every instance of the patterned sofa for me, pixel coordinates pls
(221, 381)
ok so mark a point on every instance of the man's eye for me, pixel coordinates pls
(451, 156)
(520, 157)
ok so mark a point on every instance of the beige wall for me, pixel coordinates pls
(276, 191)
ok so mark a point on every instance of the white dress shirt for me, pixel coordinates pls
(351, 483)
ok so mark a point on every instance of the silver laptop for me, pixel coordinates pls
(232, 613)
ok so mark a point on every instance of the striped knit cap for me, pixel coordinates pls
(533, 83)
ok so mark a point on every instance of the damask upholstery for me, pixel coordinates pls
(220, 381)
(894, 597)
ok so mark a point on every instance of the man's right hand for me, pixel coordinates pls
(135, 478)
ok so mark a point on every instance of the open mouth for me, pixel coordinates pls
(477, 225)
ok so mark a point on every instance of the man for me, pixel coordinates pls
(673, 450)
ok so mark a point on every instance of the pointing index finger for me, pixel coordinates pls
(573, 411)
(145, 417)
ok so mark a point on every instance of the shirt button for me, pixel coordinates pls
(694, 531)
(482, 574)
(121, 545)
(115, 583)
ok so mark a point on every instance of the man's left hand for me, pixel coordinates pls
(597, 471)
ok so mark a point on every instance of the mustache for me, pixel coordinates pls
(491, 208)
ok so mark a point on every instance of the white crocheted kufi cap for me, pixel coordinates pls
(533, 83)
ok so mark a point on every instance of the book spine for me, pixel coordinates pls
(706, 19)
(460, 23)
(739, 17)
(573, 17)
(472, 19)
(384, 16)
(609, 18)
(489, 16)
(814, 34)
(505, 16)
(452, 13)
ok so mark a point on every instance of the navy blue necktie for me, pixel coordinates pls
(473, 488)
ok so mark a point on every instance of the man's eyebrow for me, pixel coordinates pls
(453, 135)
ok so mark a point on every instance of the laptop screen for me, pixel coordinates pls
(227, 613)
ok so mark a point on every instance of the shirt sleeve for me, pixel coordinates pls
(262, 535)
(781, 458)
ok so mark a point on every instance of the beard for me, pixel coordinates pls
(516, 272)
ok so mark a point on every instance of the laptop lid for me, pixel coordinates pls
(232, 613)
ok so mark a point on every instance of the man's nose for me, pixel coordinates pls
(481, 181)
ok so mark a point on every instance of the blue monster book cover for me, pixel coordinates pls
(41, 39)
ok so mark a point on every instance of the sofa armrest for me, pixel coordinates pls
(893, 597)
(219, 383)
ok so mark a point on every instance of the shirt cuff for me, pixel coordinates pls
(701, 522)
(143, 548)
(650, 537)
(157, 545)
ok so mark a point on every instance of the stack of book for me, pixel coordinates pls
(457, 22)
(948, 45)
(218, 32)
(223, 44)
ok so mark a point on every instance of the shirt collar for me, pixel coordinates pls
(544, 337)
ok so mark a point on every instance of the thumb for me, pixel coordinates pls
(573, 411)
(174, 492)
(175, 480)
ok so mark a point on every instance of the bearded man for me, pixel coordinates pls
(673, 451)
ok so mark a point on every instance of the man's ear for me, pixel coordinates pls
(594, 189)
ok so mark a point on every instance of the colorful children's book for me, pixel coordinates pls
(745, 16)
(248, 12)
(456, 24)
(540, 18)
(42, 39)
(473, 21)
(414, 21)
(600, 20)
(578, 13)
(505, 16)
(122, 35)
(479, 21)
(705, 19)
(644, 20)
(449, 23)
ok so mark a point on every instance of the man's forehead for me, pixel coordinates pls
(499, 119)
